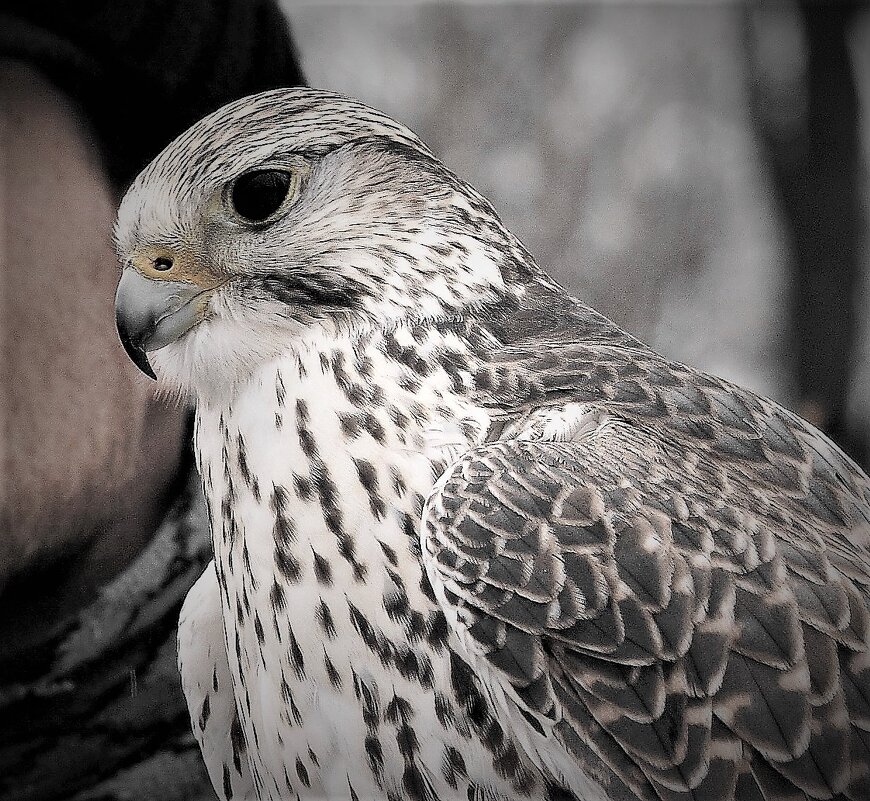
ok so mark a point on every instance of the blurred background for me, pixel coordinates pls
(696, 171)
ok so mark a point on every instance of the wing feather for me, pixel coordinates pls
(679, 589)
(207, 685)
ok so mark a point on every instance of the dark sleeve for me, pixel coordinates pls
(145, 71)
(93, 709)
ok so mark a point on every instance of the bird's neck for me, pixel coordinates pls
(326, 455)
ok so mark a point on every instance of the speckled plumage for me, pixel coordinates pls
(471, 539)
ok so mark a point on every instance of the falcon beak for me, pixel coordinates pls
(152, 313)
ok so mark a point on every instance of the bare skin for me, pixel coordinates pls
(89, 455)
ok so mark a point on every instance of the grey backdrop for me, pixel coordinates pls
(616, 141)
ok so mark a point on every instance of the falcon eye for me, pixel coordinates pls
(258, 194)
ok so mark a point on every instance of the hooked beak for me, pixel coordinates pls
(152, 313)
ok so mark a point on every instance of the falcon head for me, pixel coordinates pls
(287, 215)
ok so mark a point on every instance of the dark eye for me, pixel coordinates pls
(259, 193)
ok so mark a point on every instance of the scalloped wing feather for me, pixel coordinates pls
(681, 588)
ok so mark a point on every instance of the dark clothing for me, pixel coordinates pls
(95, 710)
(146, 71)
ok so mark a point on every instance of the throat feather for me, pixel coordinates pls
(319, 467)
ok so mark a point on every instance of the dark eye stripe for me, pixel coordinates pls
(259, 193)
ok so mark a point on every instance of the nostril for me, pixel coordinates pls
(162, 263)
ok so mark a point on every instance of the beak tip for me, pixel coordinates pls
(146, 368)
(136, 352)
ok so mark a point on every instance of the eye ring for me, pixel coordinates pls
(255, 196)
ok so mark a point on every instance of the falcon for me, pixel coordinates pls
(472, 540)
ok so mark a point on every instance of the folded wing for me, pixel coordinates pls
(657, 607)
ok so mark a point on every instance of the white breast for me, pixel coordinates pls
(315, 477)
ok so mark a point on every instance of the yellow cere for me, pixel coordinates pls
(170, 265)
